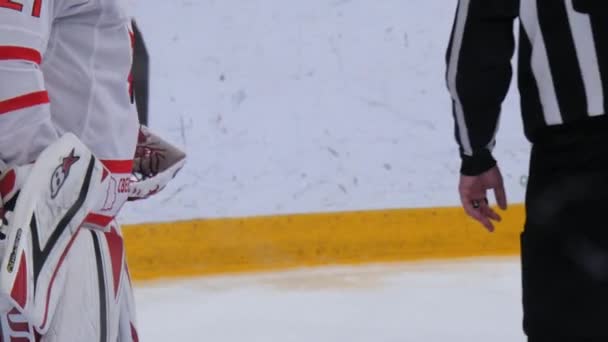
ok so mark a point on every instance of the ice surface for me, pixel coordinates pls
(460, 301)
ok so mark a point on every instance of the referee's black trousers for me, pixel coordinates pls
(564, 246)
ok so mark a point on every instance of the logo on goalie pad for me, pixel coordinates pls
(11, 260)
(61, 173)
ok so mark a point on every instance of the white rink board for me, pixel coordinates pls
(472, 301)
(307, 106)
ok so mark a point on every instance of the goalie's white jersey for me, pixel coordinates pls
(65, 67)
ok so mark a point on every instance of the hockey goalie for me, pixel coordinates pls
(70, 145)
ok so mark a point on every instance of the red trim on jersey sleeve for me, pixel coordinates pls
(20, 53)
(118, 166)
(24, 101)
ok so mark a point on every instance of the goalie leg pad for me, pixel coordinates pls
(62, 187)
(127, 322)
(90, 302)
(94, 294)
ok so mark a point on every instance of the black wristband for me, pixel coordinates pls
(477, 164)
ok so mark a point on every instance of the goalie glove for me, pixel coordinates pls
(156, 163)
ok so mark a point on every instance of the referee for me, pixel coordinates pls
(563, 83)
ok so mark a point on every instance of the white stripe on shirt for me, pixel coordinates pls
(540, 63)
(461, 20)
(580, 25)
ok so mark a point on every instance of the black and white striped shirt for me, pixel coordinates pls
(562, 69)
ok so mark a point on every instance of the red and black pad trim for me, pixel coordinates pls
(40, 255)
(16, 322)
(134, 335)
(19, 292)
(98, 219)
(7, 183)
(103, 311)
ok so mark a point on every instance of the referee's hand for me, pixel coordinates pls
(473, 196)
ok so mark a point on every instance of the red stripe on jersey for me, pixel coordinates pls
(20, 53)
(24, 101)
(37, 8)
(118, 166)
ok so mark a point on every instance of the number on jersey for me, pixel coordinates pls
(12, 4)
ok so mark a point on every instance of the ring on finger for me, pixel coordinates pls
(477, 203)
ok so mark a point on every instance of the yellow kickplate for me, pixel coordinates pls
(217, 246)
